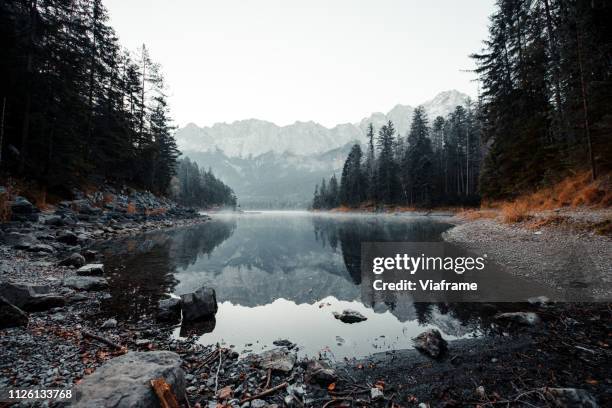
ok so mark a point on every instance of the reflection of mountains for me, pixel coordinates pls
(271, 257)
(141, 267)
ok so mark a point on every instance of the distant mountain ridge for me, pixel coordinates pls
(253, 137)
(271, 166)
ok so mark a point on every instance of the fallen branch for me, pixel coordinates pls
(328, 403)
(264, 393)
(108, 342)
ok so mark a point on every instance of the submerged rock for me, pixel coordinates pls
(86, 282)
(11, 315)
(125, 381)
(284, 343)
(350, 316)
(431, 343)
(199, 305)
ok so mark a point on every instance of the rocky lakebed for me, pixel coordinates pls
(55, 334)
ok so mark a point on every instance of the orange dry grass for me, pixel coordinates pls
(516, 211)
(574, 191)
(554, 220)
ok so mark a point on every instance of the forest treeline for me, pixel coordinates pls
(199, 188)
(543, 113)
(76, 107)
(431, 165)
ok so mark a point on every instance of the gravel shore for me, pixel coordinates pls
(566, 258)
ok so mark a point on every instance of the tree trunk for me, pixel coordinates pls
(585, 106)
(2, 127)
(25, 125)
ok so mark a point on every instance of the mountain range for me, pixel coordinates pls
(271, 166)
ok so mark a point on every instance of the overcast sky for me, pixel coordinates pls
(330, 61)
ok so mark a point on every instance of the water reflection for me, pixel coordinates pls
(280, 275)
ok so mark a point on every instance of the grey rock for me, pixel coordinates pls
(277, 359)
(76, 260)
(91, 270)
(320, 372)
(67, 237)
(257, 403)
(570, 398)
(40, 248)
(522, 318)
(376, 393)
(284, 343)
(431, 343)
(86, 282)
(55, 220)
(350, 316)
(169, 309)
(124, 382)
(109, 324)
(30, 297)
(11, 315)
(198, 305)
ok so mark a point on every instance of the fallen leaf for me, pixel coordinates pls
(331, 387)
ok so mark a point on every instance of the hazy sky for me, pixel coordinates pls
(331, 61)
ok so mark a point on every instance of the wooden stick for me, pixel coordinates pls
(328, 403)
(268, 379)
(108, 342)
(264, 393)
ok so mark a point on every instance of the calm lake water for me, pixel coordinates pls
(280, 275)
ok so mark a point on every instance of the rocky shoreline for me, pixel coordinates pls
(534, 354)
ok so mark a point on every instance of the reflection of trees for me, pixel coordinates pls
(351, 232)
(141, 268)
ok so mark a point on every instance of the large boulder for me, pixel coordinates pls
(86, 282)
(11, 315)
(30, 297)
(199, 305)
(125, 382)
